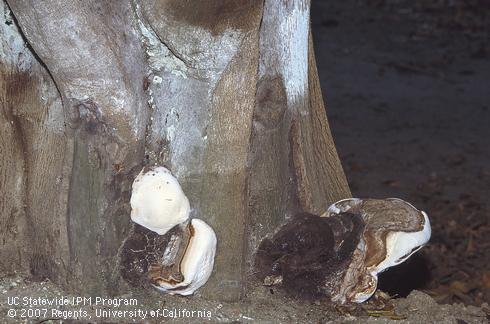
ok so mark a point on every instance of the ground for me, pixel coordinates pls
(407, 90)
(406, 87)
(262, 305)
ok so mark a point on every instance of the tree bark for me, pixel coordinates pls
(224, 93)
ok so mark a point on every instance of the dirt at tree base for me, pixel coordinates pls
(261, 305)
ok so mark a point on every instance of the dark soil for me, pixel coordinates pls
(407, 87)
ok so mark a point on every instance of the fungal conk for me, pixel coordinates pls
(194, 265)
(157, 201)
(394, 231)
(340, 254)
(186, 261)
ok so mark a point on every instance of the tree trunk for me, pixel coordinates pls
(224, 93)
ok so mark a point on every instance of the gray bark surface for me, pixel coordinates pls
(91, 91)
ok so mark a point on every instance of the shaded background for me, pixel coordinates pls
(407, 88)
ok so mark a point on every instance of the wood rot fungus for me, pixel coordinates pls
(178, 257)
(341, 253)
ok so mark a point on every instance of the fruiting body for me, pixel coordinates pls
(179, 262)
(341, 254)
(394, 231)
(196, 264)
(157, 201)
(401, 245)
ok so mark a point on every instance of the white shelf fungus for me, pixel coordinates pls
(157, 201)
(340, 255)
(195, 265)
(186, 262)
(394, 231)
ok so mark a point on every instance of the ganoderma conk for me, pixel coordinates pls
(337, 255)
(340, 253)
(176, 255)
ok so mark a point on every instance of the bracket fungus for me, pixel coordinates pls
(341, 253)
(176, 255)
(195, 262)
(157, 201)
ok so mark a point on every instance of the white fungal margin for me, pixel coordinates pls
(157, 201)
(197, 263)
(401, 245)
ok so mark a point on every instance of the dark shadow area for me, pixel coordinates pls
(401, 280)
(406, 87)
